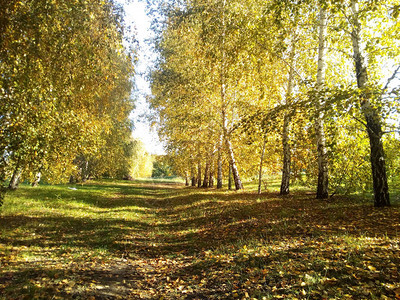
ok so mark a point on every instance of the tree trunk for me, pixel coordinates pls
(286, 157)
(72, 179)
(193, 174)
(322, 186)
(199, 174)
(235, 171)
(211, 179)
(206, 173)
(231, 155)
(35, 183)
(186, 178)
(261, 164)
(219, 171)
(286, 127)
(212, 170)
(230, 177)
(3, 191)
(372, 117)
(14, 181)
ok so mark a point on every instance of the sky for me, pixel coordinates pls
(136, 17)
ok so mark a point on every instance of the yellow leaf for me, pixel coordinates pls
(372, 268)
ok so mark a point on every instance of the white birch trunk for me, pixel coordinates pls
(286, 127)
(219, 171)
(38, 176)
(14, 181)
(322, 186)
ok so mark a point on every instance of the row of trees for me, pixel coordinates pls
(65, 85)
(297, 87)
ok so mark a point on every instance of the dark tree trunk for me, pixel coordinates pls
(211, 176)
(72, 179)
(378, 166)
(286, 158)
(211, 180)
(206, 173)
(193, 174)
(199, 174)
(3, 191)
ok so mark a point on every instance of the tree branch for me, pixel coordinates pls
(360, 121)
(391, 78)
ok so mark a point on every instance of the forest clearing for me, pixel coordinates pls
(162, 240)
(305, 92)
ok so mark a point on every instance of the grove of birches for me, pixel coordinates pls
(65, 85)
(306, 91)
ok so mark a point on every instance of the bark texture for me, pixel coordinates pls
(219, 171)
(206, 173)
(193, 175)
(235, 171)
(199, 174)
(372, 117)
(322, 186)
(38, 176)
(231, 155)
(14, 181)
(211, 175)
(285, 183)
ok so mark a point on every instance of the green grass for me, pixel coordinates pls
(152, 239)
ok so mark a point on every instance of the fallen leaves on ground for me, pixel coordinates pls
(136, 241)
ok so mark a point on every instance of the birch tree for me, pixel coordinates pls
(322, 184)
(371, 114)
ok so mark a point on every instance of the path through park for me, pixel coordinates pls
(143, 240)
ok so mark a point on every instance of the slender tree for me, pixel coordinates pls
(371, 114)
(322, 184)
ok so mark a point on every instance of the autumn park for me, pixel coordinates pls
(280, 176)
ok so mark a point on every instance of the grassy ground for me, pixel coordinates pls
(160, 240)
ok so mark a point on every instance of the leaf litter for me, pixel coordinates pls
(196, 244)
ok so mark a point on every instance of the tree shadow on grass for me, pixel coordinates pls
(75, 234)
(76, 281)
(174, 222)
(284, 271)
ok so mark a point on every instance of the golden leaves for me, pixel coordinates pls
(134, 239)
